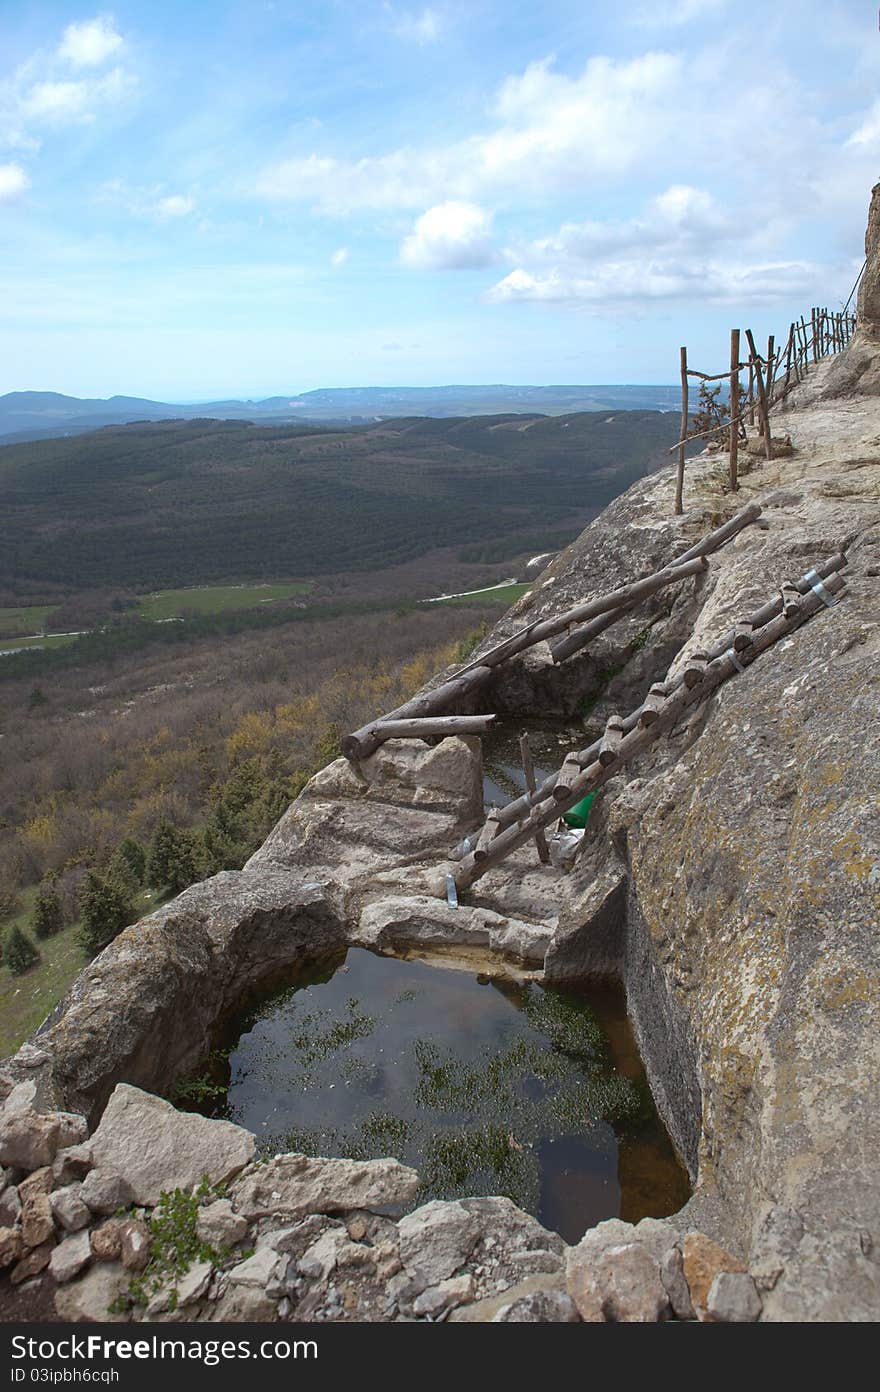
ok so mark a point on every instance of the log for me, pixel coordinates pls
(577, 639)
(520, 807)
(694, 668)
(611, 739)
(363, 742)
(791, 599)
(652, 705)
(528, 768)
(762, 396)
(633, 744)
(432, 725)
(734, 408)
(679, 476)
(571, 768)
(486, 837)
(742, 634)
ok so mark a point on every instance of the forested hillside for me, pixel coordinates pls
(152, 505)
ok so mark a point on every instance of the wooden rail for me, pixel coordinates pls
(768, 385)
(502, 835)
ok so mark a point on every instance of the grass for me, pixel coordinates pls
(25, 620)
(503, 595)
(56, 640)
(26, 1000)
(215, 599)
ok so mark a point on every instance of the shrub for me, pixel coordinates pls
(47, 918)
(106, 908)
(19, 953)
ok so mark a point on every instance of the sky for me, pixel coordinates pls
(212, 198)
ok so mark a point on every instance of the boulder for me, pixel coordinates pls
(36, 1220)
(11, 1246)
(135, 1245)
(181, 1291)
(92, 1295)
(39, 1182)
(255, 1271)
(70, 1257)
(458, 1290)
(156, 1148)
(402, 919)
(105, 1191)
(539, 1307)
(436, 1240)
(291, 1186)
(28, 1139)
(74, 1162)
(702, 1260)
(68, 1209)
(107, 1240)
(219, 1225)
(733, 1299)
(32, 1263)
(10, 1206)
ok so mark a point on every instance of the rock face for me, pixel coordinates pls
(293, 1185)
(153, 1147)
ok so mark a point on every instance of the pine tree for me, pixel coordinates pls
(106, 908)
(47, 918)
(19, 952)
(172, 860)
(128, 865)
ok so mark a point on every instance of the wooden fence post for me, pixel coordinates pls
(762, 397)
(734, 407)
(679, 480)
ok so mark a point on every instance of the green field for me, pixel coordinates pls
(214, 599)
(502, 594)
(28, 620)
(55, 640)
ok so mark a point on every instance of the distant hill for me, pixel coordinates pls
(154, 506)
(43, 415)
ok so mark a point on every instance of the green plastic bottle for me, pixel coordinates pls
(579, 815)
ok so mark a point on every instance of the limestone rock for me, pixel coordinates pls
(180, 1292)
(28, 1139)
(104, 1191)
(73, 1129)
(255, 1271)
(68, 1209)
(34, 1261)
(401, 919)
(319, 1260)
(40, 1182)
(733, 1298)
(10, 1206)
(702, 1260)
(70, 1257)
(540, 1307)
(676, 1287)
(458, 1290)
(436, 1240)
(485, 1310)
(72, 1163)
(243, 1305)
(291, 1186)
(106, 1240)
(36, 1220)
(631, 1286)
(11, 1246)
(135, 1245)
(154, 1147)
(92, 1295)
(219, 1225)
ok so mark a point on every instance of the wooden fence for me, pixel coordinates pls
(771, 377)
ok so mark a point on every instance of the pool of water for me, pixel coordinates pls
(486, 1084)
(549, 742)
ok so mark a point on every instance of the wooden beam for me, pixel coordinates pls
(528, 767)
(432, 725)
(611, 739)
(679, 476)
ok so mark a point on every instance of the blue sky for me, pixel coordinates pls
(212, 197)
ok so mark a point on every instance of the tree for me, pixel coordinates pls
(47, 918)
(172, 860)
(128, 864)
(106, 908)
(19, 953)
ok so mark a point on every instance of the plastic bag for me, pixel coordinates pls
(563, 846)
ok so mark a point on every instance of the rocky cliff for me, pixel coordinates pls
(731, 878)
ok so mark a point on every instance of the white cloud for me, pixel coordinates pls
(13, 181)
(90, 43)
(173, 205)
(339, 257)
(422, 28)
(550, 131)
(65, 103)
(451, 236)
(868, 133)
